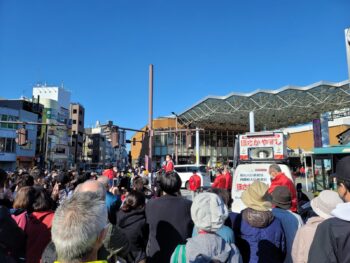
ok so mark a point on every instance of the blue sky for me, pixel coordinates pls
(101, 50)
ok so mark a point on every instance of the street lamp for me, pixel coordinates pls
(176, 154)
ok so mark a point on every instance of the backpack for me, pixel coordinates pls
(179, 255)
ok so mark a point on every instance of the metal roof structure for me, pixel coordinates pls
(273, 109)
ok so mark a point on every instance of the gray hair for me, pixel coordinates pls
(92, 186)
(77, 224)
(275, 167)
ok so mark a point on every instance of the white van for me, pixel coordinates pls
(246, 174)
(185, 171)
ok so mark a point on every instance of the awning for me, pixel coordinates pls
(285, 107)
(343, 149)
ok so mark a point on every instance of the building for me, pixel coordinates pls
(56, 101)
(220, 119)
(98, 150)
(13, 156)
(77, 116)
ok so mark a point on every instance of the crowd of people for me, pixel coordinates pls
(117, 216)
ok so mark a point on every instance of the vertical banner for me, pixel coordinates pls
(317, 133)
(324, 130)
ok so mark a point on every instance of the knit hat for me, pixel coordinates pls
(255, 197)
(282, 197)
(208, 212)
(325, 202)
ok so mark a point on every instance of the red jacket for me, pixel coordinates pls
(38, 230)
(169, 167)
(282, 180)
(195, 182)
(109, 173)
(219, 182)
(228, 179)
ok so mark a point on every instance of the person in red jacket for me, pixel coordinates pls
(194, 183)
(228, 178)
(280, 179)
(168, 165)
(109, 172)
(220, 181)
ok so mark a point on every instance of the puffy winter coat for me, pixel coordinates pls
(259, 236)
(133, 225)
(331, 242)
(303, 239)
(220, 182)
(170, 224)
(38, 230)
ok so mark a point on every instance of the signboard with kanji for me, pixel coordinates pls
(274, 142)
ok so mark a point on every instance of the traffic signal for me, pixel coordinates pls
(133, 141)
(22, 137)
(340, 140)
(115, 138)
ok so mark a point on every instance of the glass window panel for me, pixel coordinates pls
(13, 146)
(163, 139)
(2, 144)
(157, 151)
(164, 151)
(181, 169)
(171, 139)
(8, 146)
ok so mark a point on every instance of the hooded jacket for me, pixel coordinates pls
(259, 236)
(207, 247)
(332, 238)
(303, 239)
(133, 225)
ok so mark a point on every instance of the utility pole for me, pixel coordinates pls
(150, 118)
(176, 130)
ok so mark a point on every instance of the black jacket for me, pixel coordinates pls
(133, 225)
(331, 243)
(12, 238)
(170, 224)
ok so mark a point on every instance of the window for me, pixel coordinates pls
(80, 112)
(7, 145)
(75, 111)
(74, 121)
(79, 122)
(181, 169)
(8, 118)
(2, 144)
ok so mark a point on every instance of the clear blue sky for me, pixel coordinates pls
(101, 50)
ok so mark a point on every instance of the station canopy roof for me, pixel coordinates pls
(273, 109)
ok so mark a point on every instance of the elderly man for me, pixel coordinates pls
(79, 228)
(278, 178)
(115, 242)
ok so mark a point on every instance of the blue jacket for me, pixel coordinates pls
(113, 204)
(265, 243)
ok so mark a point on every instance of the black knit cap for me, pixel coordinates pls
(282, 197)
(342, 170)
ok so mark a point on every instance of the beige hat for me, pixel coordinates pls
(255, 197)
(325, 202)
